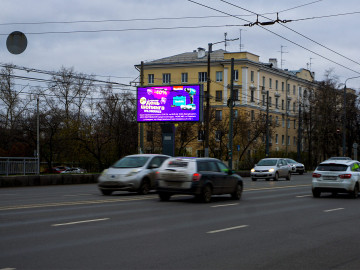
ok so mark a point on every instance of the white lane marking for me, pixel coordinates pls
(78, 195)
(223, 205)
(303, 196)
(8, 269)
(335, 209)
(228, 229)
(78, 222)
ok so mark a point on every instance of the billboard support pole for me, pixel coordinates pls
(207, 116)
(141, 149)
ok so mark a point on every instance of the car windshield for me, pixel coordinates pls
(267, 162)
(178, 163)
(131, 162)
(339, 158)
(291, 161)
(332, 167)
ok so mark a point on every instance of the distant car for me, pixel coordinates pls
(201, 177)
(296, 166)
(339, 158)
(336, 176)
(74, 170)
(58, 169)
(131, 173)
(271, 168)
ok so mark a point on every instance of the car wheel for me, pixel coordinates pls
(106, 192)
(236, 195)
(206, 194)
(144, 187)
(276, 178)
(355, 193)
(288, 177)
(253, 179)
(316, 193)
(164, 197)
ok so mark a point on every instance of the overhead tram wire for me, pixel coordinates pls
(332, 61)
(295, 32)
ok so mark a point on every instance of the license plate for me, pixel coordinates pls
(330, 177)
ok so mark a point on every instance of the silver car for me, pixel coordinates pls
(336, 176)
(297, 167)
(271, 168)
(131, 173)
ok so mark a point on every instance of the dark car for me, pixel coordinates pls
(201, 177)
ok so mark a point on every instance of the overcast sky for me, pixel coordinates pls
(328, 42)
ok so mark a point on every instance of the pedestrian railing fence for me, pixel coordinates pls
(18, 165)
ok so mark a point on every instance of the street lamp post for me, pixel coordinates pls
(344, 117)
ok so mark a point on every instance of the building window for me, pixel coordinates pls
(252, 115)
(236, 75)
(270, 83)
(252, 76)
(166, 78)
(288, 140)
(201, 135)
(277, 138)
(277, 85)
(202, 76)
(288, 105)
(235, 113)
(236, 94)
(218, 95)
(218, 135)
(294, 90)
(300, 91)
(294, 140)
(282, 139)
(150, 78)
(184, 77)
(219, 76)
(294, 123)
(149, 136)
(282, 86)
(288, 89)
(283, 121)
(282, 104)
(269, 101)
(294, 108)
(288, 123)
(277, 120)
(263, 100)
(218, 115)
(263, 82)
(277, 103)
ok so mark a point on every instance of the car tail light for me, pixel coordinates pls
(345, 176)
(316, 175)
(196, 177)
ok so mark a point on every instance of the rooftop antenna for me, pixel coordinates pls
(241, 45)
(282, 52)
(225, 34)
(310, 63)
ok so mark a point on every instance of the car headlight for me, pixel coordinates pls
(252, 170)
(133, 172)
(271, 170)
(104, 172)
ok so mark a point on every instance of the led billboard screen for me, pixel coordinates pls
(178, 103)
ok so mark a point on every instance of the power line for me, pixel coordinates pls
(278, 36)
(296, 33)
(127, 30)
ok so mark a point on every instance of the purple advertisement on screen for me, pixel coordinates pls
(168, 103)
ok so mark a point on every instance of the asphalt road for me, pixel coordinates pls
(276, 225)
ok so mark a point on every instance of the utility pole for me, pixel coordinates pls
(141, 150)
(281, 58)
(240, 45)
(38, 135)
(207, 114)
(267, 125)
(299, 135)
(231, 105)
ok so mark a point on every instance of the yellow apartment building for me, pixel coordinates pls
(287, 90)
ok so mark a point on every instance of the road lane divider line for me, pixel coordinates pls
(229, 229)
(267, 188)
(78, 222)
(224, 205)
(16, 207)
(332, 210)
(78, 195)
(303, 196)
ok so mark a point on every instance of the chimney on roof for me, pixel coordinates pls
(201, 52)
(273, 61)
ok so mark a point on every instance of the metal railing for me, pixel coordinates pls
(18, 165)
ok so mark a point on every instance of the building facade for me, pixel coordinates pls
(260, 90)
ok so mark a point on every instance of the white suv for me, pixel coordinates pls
(336, 176)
